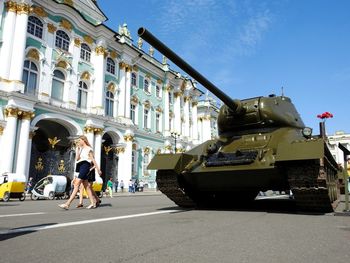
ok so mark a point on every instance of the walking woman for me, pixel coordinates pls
(85, 161)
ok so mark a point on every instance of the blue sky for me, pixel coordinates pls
(251, 48)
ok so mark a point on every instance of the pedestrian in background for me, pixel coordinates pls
(110, 187)
(29, 185)
(116, 183)
(122, 186)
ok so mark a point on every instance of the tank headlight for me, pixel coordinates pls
(307, 132)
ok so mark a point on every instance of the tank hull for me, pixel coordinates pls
(236, 170)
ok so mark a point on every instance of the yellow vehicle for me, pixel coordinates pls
(12, 185)
(96, 186)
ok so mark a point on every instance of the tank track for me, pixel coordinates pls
(314, 186)
(168, 184)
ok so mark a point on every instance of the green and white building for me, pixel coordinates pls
(64, 73)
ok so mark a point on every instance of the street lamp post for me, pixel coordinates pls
(175, 135)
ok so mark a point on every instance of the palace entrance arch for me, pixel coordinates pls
(51, 151)
(109, 158)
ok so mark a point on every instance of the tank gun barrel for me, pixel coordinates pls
(156, 43)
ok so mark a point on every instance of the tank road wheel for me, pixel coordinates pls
(313, 186)
(51, 195)
(6, 197)
(168, 183)
(23, 197)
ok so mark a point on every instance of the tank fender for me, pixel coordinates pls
(300, 150)
(170, 161)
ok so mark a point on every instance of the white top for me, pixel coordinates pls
(84, 154)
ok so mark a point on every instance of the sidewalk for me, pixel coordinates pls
(147, 192)
(340, 210)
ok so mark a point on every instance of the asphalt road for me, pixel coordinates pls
(149, 228)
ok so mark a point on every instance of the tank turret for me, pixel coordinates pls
(237, 115)
(263, 145)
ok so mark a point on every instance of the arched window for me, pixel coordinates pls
(57, 85)
(82, 95)
(133, 79)
(30, 77)
(109, 104)
(35, 27)
(62, 40)
(146, 86)
(110, 66)
(85, 52)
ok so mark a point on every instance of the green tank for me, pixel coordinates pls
(263, 145)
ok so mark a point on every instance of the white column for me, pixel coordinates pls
(206, 128)
(19, 42)
(2, 128)
(194, 122)
(29, 150)
(122, 88)
(22, 158)
(124, 162)
(127, 91)
(47, 64)
(8, 38)
(8, 140)
(98, 145)
(99, 85)
(177, 112)
(187, 116)
(166, 112)
(89, 133)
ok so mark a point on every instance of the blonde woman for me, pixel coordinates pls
(84, 162)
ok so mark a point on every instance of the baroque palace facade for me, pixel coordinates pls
(64, 73)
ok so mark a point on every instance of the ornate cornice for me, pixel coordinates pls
(147, 104)
(88, 129)
(119, 149)
(77, 42)
(134, 99)
(11, 112)
(85, 76)
(98, 130)
(111, 87)
(51, 28)
(26, 115)
(11, 6)
(159, 109)
(113, 54)
(33, 54)
(169, 88)
(39, 11)
(177, 94)
(68, 2)
(88, 39)
(23, 8)
(100, 50)
(187, 98)
(146, 150)
(128, 138)
(62, 64)
(66, 24)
